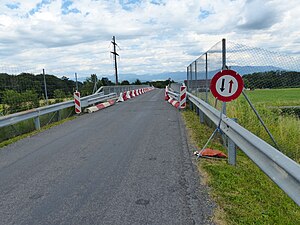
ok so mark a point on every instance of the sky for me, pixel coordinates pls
(154, 36)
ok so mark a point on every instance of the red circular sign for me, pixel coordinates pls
(226, 85)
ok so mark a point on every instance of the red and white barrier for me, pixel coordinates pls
(133, 93)
(182, 97)
(181, 102)
(77, 102)
(174, 102)
(128, 95)
(120, 99)
(100, 106)
(167, 97)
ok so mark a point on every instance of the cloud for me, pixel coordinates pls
(258, 15)
(67, 36)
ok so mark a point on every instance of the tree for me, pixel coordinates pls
(125, 82)
(59, 95)
(137, 82)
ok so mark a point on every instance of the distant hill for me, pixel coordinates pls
(181, 75)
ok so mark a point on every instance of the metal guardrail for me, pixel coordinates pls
(281, 169)
(173, 94)
(35, 113)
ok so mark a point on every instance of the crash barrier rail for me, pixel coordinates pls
(281, 169)
(119, 89)
(36, 113)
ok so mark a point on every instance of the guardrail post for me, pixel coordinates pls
(37, 123)
(232, 150)
(201, 115)
(59, 115)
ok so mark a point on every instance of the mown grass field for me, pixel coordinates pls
(243, 193)
(276, 97)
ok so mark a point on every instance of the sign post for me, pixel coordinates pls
(225, 86)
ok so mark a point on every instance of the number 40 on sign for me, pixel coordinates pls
(226, 85)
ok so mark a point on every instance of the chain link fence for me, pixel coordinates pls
(271, 83)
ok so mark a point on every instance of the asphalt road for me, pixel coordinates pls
(127, 164)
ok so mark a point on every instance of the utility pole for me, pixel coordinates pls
(115, 58)
(76, 82)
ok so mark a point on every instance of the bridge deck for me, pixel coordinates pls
(127, 164)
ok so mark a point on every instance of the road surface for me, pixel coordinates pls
(127, 164)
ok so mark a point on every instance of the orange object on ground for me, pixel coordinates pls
(211, 153)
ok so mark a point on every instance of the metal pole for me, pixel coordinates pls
(224, 137)
(206, 79)
(187, 77)
(224, 67)
(45, 87)
(196, 74)
(76, 82)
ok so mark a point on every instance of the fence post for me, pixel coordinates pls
(45, 87)
(37, 123)
(232, 150)
(223, 68)
(206, 79)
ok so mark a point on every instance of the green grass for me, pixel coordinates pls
(285, 128)
(276, 97)
(244, 194)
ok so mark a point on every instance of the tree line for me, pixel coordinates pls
(272, 79)
(26, 91)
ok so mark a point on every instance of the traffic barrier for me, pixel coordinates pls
(132, 94)
(120, 99)
(125, 96)
(128, 95)
(182, 97)
(167, 97)
(77, 102)
(174, 102)
(100, 106)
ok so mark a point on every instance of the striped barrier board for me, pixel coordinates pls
(77, 102)
(182, 97)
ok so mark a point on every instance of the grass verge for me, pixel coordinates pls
(244, 194)
(17, 138)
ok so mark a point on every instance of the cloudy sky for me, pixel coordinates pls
(154, 36)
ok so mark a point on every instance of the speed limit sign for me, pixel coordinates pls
(226, 85)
